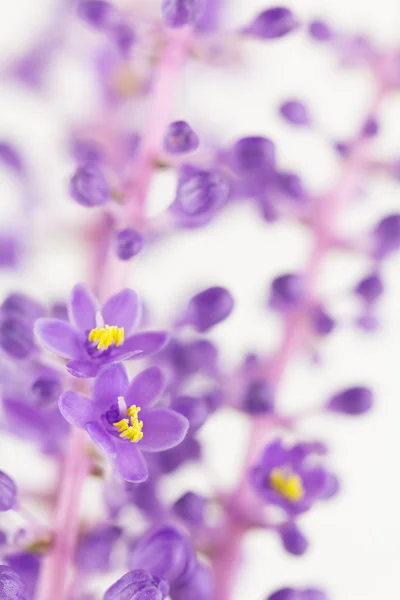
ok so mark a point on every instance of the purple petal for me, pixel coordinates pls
(76, 408)
(82, 308)
(122, 310)
(129, 463)
(145, 388)
(83, 368)
(111, 382)
(141, 345)
(59, 337)
(101, 438)
(162, 429)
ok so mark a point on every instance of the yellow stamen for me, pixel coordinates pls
(289, 486)
(106, 336)
(133, 431)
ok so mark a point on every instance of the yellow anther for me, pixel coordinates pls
(106, 336)
(289, 486)
(133, 431)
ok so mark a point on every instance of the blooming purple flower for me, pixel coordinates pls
(88, 186)
(8, 492)
(111, 418)
(180, 138)
(289, 477)
(94, 337)
(273, 23)
(137, 585)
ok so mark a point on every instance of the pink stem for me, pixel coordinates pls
(354, 170)
(109, 277)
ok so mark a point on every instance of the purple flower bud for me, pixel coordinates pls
(46, 387)
(286, 291)
(165, 553)
(198, 587)
(370, 128)
(180, 138)
(94, 550)
(191, 508)
(313, 594)
(97, 13)
(214, 400)
(88, 186)
(295, 112)
(273, 23)
(128, 243)
(291, 185)
(10, 157)
(285, 594)
(386, 236)
(21, 305)
(323, 324)
(259, 398)
(194, 409)
(320, 31)
(137, 585)
(254, 153)
(188, 450)
(3, 538)
(293, 539)
(370, 288)
(86, 151)
(123, 35)
(9, 251)
(210, 307)
(16, 337)
(8, 492)
(177, 13)
(11, 585)
(352, 401)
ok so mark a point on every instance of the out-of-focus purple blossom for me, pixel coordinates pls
(253, 153)
(193, 408)
(17, 315)
(370, 288)
(208, 308)
(295, 112)
(288, 478)
(128, 243)
(370, 128)
(286, 291)
(98, 13)
(10, 250)
(177, 13)
(110, 422)
(185, 359)
(259, 397)
(86, 151)
(320, 31)
(352, 401)
(200, 195)
(291, 185)
(191, 509)
(10, 157)
(137, 585)
(11, 585)
(95, 337)
(3, 538)
(27, 566)
(95, 548)
(323, 324)
(123, 35)
(293, 539)
(272, 23)
(88, 186)
(165, 552)
(188, 450)
(46, 386)
(8, 492)
(285, 594)
(180, 138)
(198, 587)
(313, 594)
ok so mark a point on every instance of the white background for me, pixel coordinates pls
(355, 550)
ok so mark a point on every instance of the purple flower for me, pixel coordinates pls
(352, 401)
(95, 337)
(386, 236)
(137, 585)
(295, 112)
(11, 585)
(253, 153)
(88, 186)
(286, 291)
(27, 566)
(289, 477)
(97, 13)
(177, 13)
(17, 315)
(259, 397)
(180, 138)
(200, 195)
(8, 492)
(322, 322)
(191, 509)
(293, 539)
(194, 409)
(10, 157)
(46, 386)
(95, 548)
(285, 594)
(128, 243)
(273, 23)
(320, 31)
(111, 418)
(208, 308)
(198, 587)
(369, 288)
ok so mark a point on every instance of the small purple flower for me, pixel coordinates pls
(200, 195)
(273, 23)
(95, 337)
(137, 585)
(17, 315)
(8, 492)
(11, 585)
(352, 401)
(285, 594)
(322, 323)
(98, 13)
(293, 539)
(370, 288)
(177, 13)
(180, 138)
(253, 153)
(128, 243)
(295, 112)
(191, 509)
(208, 308)
(259, 397)
(111, 418)
(289, 477)
(95, 548)
(386, 236)
(287, 291)
(88, 186)
(320, 31)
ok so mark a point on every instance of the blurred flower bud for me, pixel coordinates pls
(286, 291)
(259, 398)
(285, 594)
(193, 408)
(320, 31)
(273, 23)
(191, 508)
(177, 13)
(253, 153)
(88, 186)
(369, 288)
(386, 236)
(295, 112)
(8, 492)
(180, 138)
(293, 539)
(137, 585)
(95, 548)
(209, 307)
(352, 401)
(128, 243)
(11, 585)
